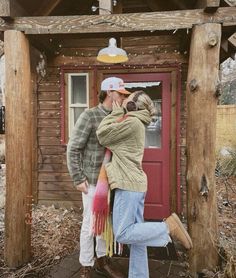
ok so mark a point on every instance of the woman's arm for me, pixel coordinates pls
(112, 130)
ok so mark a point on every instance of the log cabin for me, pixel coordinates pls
(174, 50)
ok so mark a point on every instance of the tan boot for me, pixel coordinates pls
(178, 232)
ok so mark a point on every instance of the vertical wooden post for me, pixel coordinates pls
(105, 7)
(201, 98)
(18, 149)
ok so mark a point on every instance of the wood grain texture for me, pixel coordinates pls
(55, 186)
(18, 149)
(49, 141)
(49, 131)
(60, 195)
(44, 95)
(75, 205)
(54, 176)
(54, 114)
(154, 21)
(52, 167)
(51, 150)
(52, 159)
(5, 8)
(35, 57)
(201, 141)
(44, 122)
(173, 143)
(134, 59)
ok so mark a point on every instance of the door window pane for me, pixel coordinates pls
(77, 97)
(154, 129)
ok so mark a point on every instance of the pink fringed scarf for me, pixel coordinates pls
(102, 224)
(101, 202)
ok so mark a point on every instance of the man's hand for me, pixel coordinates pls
(124, 103)
(83, 187)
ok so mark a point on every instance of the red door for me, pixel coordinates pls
(156, 160)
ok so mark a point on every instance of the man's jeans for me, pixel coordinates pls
(86, 238)
(130, 228)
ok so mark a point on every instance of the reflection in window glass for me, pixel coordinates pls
(78, 89)
(154, 129)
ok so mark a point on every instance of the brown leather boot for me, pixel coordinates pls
(85, 272)
(178, 232)
(104, 267)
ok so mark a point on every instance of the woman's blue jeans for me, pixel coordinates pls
(130, 228)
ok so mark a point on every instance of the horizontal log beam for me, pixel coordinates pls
(170, 20)
(105, 7)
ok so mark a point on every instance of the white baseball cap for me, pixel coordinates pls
(114, 84)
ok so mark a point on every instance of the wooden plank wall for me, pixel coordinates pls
(183, 157)
(54, 183)
(225, 127)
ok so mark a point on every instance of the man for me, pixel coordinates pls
(84, 160)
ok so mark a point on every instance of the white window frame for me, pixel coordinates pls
(71, 111)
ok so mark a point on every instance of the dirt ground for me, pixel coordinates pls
(55, 235)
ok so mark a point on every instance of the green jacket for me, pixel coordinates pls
(126, 140)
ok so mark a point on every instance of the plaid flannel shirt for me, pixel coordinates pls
(84, 153)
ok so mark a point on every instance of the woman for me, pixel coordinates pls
(123, 132)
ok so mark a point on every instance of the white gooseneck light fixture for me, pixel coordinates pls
(112, 54)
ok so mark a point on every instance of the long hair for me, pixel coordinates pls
(143, 101)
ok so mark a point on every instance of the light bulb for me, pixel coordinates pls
(94, 8)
